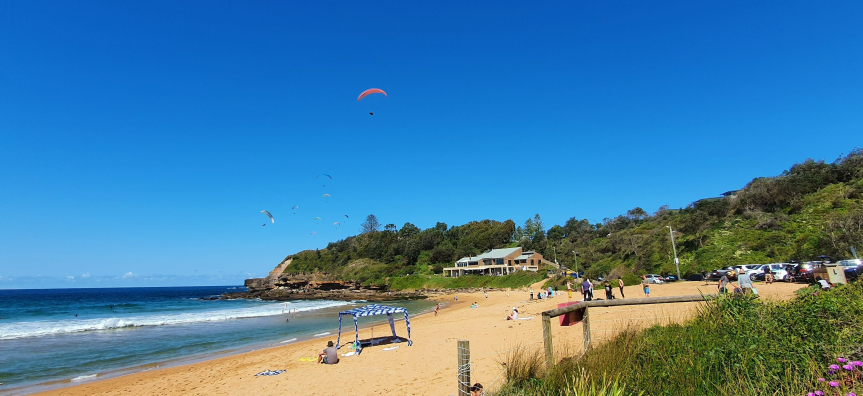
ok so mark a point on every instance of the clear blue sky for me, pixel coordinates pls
(140, 140)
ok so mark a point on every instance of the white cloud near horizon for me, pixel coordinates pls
(85, 275)
(70, 277)
(129, 275)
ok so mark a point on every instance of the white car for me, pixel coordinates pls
(655, 279)
(778, 270)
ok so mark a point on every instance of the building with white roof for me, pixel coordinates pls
(497, 262)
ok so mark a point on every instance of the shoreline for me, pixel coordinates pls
(84, 379)
(426, 368)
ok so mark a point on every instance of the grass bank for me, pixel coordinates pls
(734, 346)
(417, 282)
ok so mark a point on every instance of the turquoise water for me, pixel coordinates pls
(130, 329)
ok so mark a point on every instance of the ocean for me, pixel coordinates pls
(51, 338)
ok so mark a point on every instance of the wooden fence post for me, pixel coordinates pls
(585, 323)
(546, 338)
(463, 368)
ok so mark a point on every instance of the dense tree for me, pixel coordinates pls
(813, 208)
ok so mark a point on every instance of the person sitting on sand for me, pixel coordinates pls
(476, 389)
(513, 315)
(330, 355)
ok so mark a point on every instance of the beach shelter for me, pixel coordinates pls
(370, 310)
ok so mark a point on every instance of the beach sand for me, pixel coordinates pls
(426, 368)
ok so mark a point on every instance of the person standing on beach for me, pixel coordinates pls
(436, 308)
(569, 289)
(531, 293)
(768, 275)
(620, 285)
(723, 282)
(586, 290)
(704, 277)
(645, 285)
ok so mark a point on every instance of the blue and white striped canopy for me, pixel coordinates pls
(373, 309)
(370, 310)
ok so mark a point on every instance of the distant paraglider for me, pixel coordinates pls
(325, 195)
(337, 224)
(317, 218)
(324, 174)
(314, 232)
(295, 208)
(269, 215)
(371, 91)
(346, 216)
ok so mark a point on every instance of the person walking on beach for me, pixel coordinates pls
(330, 355)
(436, 308)
(531, 293)
(585, 290)
(744, 282)
(620, 285)
(569, 289)
(645, 285)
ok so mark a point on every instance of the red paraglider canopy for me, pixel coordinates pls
(371, 91)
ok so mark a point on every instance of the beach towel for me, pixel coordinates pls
(308, 359)
(349, 354)
(269, 372)
(527, 318)
(389, 349)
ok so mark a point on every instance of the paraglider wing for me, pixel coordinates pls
(346, 216)
(326, 195)
(317, 218)
(337, 224)
(314, 232)
(269, 215)
(324, 174)
(295, 207)
(371, 91)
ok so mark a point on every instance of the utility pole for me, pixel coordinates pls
(554, 248)
(576, 263)
(673, 246)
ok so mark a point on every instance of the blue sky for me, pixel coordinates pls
(139, 141)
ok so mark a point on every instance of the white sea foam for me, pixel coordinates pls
(287, 341)
(41, 328)
(84, 377)
(322, 334)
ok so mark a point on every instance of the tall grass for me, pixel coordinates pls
(733, 346)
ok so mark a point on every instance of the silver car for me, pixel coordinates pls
(655, 279)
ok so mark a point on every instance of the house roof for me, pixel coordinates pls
(497, 253)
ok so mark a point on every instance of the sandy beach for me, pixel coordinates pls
(426, 368)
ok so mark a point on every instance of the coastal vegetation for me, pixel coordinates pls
(812, 209)
(733, 346)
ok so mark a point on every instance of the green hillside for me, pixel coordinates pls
(812, 209)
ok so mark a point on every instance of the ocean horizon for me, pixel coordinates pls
(51, 338)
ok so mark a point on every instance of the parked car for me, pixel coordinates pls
(778, 270)
(730, 272)
(748, 267)
(851, 263)
(804, 272)
(655, 279)
(670, 278)
(695, 278)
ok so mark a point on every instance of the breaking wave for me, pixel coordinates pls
(42, 328)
